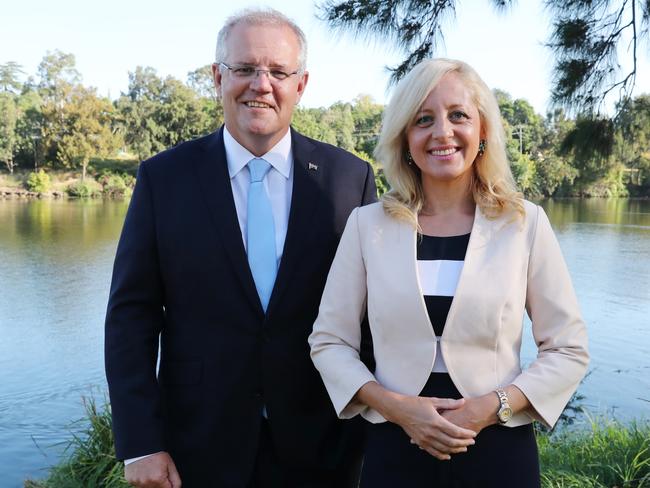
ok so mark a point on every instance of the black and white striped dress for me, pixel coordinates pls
(440, 262)
(391, 460)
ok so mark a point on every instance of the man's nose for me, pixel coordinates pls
(261, 81)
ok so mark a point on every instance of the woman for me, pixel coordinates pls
(446, 265)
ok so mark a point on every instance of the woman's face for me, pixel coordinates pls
(444, 137)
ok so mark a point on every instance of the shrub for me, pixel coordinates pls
(83, 189)
(39, 182)
(116, 185)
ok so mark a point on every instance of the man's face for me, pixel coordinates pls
(257, 110)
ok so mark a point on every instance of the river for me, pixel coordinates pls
(55, 266)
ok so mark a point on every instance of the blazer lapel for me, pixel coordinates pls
(307, 180)
(214, 181)
(481, 232)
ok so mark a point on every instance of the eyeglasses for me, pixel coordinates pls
(245, 72)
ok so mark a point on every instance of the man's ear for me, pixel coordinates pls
(216, 78)
(302, 84)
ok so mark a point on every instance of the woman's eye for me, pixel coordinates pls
(458, 115)
(424, 120)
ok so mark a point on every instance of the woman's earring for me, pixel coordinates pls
(481, 147)
(409, 158)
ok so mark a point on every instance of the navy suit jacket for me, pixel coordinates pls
(182, 289)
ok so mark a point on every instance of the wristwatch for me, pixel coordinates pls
(505, 412)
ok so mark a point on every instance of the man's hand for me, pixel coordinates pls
(155, 471)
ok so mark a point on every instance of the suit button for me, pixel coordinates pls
(266, 338)
(258, 396)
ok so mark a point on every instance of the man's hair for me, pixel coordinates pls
(265, 17)
(492, 184)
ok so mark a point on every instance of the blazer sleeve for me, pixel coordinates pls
(134, 319)
(558, 329)
(336, 337)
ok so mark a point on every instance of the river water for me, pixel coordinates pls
(55, 266)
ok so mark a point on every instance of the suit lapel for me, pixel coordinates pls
(214, 181)
(307, 182)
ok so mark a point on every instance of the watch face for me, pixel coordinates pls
(505, 414)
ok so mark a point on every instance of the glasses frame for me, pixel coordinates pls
(258, 71)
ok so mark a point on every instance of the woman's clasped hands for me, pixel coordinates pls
(423, 420)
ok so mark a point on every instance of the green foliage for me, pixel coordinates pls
(84, 189)
(585, 40)
(122, 165)
(38, 182)
(116, 185)
(9, 115)
(85, 129)
(524, 171)
(159, 113)
(60, 124)
(90, 459)
(609, 454)
(9, 77)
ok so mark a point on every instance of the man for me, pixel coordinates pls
(221, 264)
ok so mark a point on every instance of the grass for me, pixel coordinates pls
(606, 454)
(89, 460)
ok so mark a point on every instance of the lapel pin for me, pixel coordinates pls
(313, 167)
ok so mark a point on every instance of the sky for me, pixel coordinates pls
(111, 39)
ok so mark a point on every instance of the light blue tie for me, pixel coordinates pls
(260, 239)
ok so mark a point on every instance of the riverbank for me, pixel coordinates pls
(603, 453)
(107, 178)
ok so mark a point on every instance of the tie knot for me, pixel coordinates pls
(258, 168)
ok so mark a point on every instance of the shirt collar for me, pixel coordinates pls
(237, 156)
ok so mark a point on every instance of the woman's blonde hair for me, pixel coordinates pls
(492, 184)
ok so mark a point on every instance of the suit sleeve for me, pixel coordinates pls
(134, 319)
(558, 328)
(370, 187)
(336, 337)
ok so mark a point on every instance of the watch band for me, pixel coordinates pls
(504, 414)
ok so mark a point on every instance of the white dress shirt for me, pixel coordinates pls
(278, 183)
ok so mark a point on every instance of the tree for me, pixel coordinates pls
(57, 72)
(632, 142)
(585, 39)
(367, 123)
(158, 113)
(414, 26)
(58, 78)
(87, 122)
(9, 73)
(8, 140)
(554, 171)
(29, 128)
(200, 80)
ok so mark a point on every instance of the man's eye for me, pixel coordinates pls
(278, 75)
(244, 70)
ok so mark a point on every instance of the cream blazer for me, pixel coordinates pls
(511, 266)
